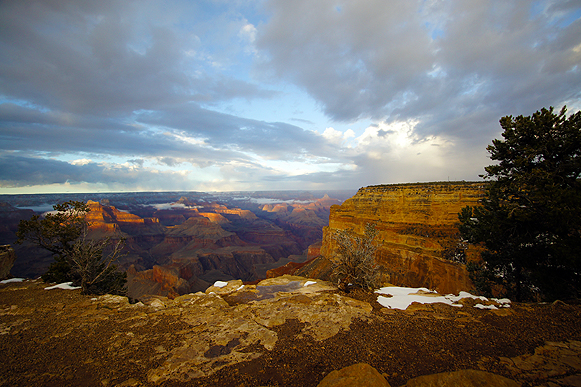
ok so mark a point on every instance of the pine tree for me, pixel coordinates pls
(530, 218)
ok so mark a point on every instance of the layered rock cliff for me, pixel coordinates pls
(110, 220)
(417, 232)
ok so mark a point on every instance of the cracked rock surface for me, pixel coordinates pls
(285, 331)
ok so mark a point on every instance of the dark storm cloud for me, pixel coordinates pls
(106, 57)
(47, 133)
(20, 171)
(81, 77)
(427, 60)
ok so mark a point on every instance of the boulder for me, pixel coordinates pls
(7, 258)
(356, 375)
(463, 378)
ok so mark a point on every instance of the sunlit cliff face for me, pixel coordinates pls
(417, 233)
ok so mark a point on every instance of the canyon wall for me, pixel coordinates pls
(417, 233)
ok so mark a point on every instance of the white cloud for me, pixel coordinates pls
(337, 137)
(81, 162)
(248, 33)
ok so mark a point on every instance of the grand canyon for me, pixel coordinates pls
(177, 243)
(235, 290)
(184, 245)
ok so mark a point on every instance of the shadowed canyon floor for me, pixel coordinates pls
(279, 333)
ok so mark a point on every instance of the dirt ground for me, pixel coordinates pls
(40, 346)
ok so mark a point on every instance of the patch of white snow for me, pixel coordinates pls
(11, 280)
(480, 306)
(65, 286)
(220, 284)
(402, 297)
(463, 294)
(310, 283)
(396, 297)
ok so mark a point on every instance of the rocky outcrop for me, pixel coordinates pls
(108, 220)
(356, 375)
(314, 250)
(169, 280)
(311, 267)
(7, 258)
(464, 378)
(417, 232)
(364, 375)
(304, 220)
(287, 331)
(288, 268)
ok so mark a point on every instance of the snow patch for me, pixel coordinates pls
(64, 285)
(11, 280)
(396, 297)
(220, 284)
(480, 306)
(402, 297)
(310, 283)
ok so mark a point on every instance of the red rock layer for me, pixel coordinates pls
(290, 268)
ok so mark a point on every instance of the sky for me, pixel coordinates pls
(224, 95)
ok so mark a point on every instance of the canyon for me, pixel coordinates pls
(173, 248)
(184, 246)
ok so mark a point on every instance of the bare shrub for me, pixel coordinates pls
(354, 263)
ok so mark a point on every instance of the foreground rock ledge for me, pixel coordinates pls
(222, 335)
(274, 333)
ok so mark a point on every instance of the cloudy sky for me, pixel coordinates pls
(220, 95)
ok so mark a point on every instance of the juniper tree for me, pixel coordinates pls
(530, 218)
(77, 259)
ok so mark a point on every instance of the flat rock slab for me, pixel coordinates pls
(223, 335)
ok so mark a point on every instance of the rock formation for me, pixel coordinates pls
(417, 232)
(286, 331)
(7, 258)
(464, 378)
(173, 249)
(110, 221)
(356, 375)
(288, 268)
(363, 375)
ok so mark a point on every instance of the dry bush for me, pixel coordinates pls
(354, 263)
